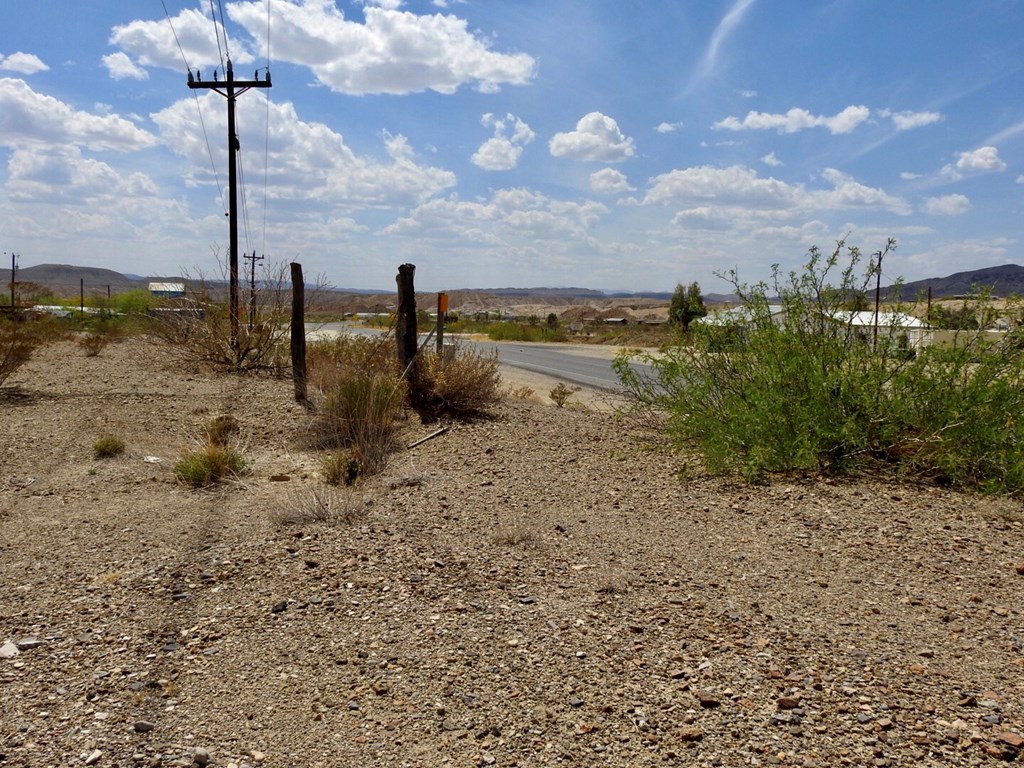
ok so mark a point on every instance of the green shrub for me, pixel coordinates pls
(108, 446)
(804, 389)
(209, 464)
(340, 467)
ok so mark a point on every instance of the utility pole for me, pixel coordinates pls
(14, 271)
(252, 288)
(231, 89)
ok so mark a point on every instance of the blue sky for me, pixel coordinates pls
(517, 142)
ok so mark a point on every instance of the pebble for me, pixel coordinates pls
(691, 733)
(93, 757)
(8, 650)
(279, 607)
(143, 726)
(200, 756)
(28, 643)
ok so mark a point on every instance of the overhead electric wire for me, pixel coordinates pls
(266, 144)
(206, 138)
(216, 34)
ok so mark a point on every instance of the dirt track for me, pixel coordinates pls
(537, 588)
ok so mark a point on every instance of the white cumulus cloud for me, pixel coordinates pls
(948, 205)
(609, 181)
(981, 160)
(796, 120)
(23, 63)
(392, 51)
(771, 160)
(31, 118)
(502, 151)
(597, 138)
(120, 66)
(667, 127)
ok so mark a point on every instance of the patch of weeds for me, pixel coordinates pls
(209, 464)
(517, 534)
(222, 429)
(520, 393)
(108, 446)
(340, 467)
(561, 393)
(321, 504)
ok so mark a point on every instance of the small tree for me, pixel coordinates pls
(687, 305)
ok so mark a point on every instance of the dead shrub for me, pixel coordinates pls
(460, 383)
(222, 429)
(321, 505)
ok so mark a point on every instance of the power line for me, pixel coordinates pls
(216, 35)
(266, 144)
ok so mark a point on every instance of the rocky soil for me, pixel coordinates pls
(537, 588)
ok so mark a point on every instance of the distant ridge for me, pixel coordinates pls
(1004, 280)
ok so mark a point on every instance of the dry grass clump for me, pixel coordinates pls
(463, 383)
(340, 467)
(108, 446)
(99, 336)
(217, 458)
(516, 533)
(321, 504)
(561, 393)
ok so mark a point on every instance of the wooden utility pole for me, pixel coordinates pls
(14, 271)
(298, 333)
(231, 89)
(878, 296)
(252, 289)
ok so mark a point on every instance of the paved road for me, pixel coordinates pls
(569, 363)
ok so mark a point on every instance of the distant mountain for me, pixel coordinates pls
(1004, 280)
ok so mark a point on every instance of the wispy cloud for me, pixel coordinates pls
(725, 28)
(797, 120)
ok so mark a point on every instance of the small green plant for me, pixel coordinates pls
(561, 394)
(209, 464)
(361, 415)
(108, 446)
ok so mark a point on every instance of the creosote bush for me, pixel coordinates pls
(108, 446)
(793, 384)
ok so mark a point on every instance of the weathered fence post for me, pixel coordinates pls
(298, 333)
(405, 328)
(442, 310)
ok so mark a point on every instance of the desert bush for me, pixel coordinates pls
(108, 446)
(330, 360)
(561, 393)
(361, 414)
(520, 393)
(200, 333)
(459, 383)
(805, 390)
(20, 337)
(209, 464)
(101, 334)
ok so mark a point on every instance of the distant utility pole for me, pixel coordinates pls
(878, 296)
(14, 271)
(230, 89)
(252, 288)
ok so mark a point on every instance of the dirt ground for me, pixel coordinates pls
(540, 587)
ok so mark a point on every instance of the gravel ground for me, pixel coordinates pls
(536, 588)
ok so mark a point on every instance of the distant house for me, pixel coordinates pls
(167, 290)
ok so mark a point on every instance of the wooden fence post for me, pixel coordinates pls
(405, 328)
(298, 333)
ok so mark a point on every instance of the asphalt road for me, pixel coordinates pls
(569, 363)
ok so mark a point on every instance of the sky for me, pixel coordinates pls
(515, 143)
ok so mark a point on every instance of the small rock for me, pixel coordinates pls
(200, 756)
(8, 650)
(575, 702)
(926, 653)
(449, 725)
(1019, 569)
(258, 757)
(1011, 739)
(787, 702)
(708, 701)
(527, 600)
(93, 757)
(690, 734)
(279, 607)
(280, 478)
(28, 643)
(143, 726)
